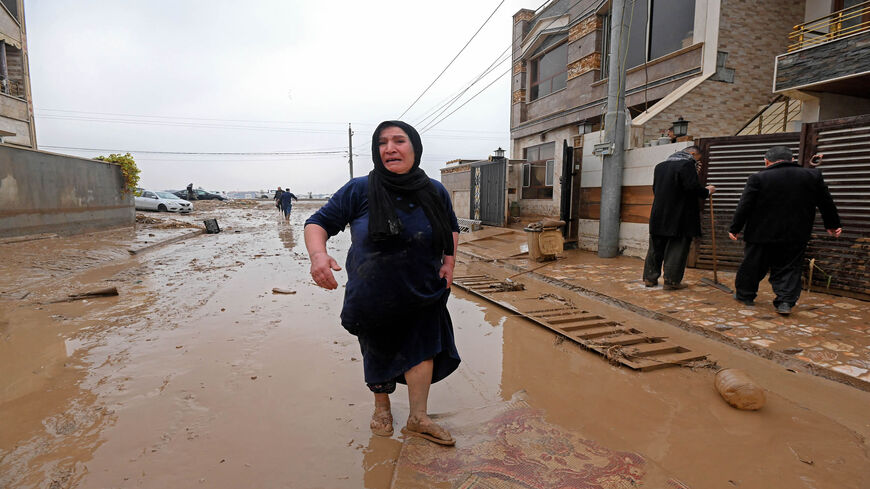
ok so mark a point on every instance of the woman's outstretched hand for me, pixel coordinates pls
(322, 266)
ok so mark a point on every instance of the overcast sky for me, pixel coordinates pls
(263, 76)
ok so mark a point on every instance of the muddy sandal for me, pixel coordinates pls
(433, 433)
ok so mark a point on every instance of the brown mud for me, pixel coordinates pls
(197, 375)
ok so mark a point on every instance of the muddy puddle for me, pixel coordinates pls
(197, 375)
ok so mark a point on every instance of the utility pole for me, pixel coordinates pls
(614, 136)
(350, 149)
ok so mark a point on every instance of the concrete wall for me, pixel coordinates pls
(638, 171)
(457, 180)
(49, 193)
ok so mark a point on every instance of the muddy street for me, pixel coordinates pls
(198, 375)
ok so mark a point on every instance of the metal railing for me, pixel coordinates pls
(833, 26)
(774, 118)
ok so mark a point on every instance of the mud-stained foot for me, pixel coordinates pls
(382, 422)
(429, 430)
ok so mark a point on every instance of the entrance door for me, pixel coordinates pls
(488, 192)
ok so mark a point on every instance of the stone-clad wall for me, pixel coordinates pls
(827, 61)
(753, 34)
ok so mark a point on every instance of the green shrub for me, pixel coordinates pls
(128, 169)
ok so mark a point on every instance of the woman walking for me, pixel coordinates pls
(399, 270)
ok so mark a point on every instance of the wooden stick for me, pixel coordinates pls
(713, 237)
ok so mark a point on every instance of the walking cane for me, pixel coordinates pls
(715, 281)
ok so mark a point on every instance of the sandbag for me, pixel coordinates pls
(739, 390)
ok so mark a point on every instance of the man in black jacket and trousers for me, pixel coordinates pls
(675, 217)
(777, 208)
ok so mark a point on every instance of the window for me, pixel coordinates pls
(549, 72)
(656, 28)
(12, 7)
(538, 171)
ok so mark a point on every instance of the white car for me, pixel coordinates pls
(150, 200)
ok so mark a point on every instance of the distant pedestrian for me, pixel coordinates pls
(777, 208)
(191, 194)
(675, 217)
(277, 199)
(287, 199)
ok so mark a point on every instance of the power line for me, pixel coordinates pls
(207, 153)
(452, 101)
(444, 107)
(469, 100)
(185, 118)
(452, 60)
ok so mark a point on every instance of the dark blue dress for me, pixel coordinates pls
(394, 301)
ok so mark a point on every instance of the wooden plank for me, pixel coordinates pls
(573, 319)
(626, 339)
(588, 325)
(558, 313)
(646, 364)
(599, 332)
(648, 349)
(539, 311)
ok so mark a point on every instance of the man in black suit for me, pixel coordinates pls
(778, 207)
(675, 217)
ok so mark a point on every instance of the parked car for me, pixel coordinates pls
(200, 194)
(150, 200)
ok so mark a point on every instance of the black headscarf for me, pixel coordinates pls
(415, 186)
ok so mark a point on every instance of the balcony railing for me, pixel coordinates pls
(833, 26)
(774, 118)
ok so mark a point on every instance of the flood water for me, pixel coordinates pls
(198, 375)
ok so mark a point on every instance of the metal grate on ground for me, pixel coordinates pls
(620, 343)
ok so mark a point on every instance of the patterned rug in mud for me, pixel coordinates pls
(512, 446)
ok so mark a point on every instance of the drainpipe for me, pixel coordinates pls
(614, 136)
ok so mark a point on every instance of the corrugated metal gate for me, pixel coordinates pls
(846, 167)
(728, 162)
(488, 192)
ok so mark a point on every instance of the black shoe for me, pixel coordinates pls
(745, 302)
(783, 309)
(678, 286)
(650, 283)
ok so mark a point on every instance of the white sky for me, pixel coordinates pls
(263, 76)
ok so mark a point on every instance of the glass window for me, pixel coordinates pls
(538, 172)
(605, 46)
(12, 7)
(637, 33)
(672, 26)
(549, 72)
(657, 27)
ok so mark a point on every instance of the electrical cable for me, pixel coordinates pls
(452, 60)
(209, 153)
(469, 100)
(453, 100)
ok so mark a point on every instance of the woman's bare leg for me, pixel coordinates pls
(382, 418)
(419, 378)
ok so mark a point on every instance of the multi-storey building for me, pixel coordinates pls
(710, 62)
(16, 105)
